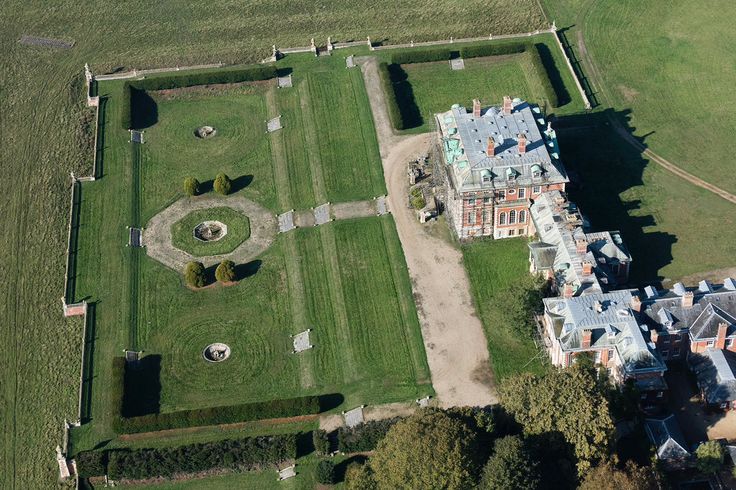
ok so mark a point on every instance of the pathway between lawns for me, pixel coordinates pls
(455, 343)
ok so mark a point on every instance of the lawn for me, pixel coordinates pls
(493, 266)
(238, 230)
(368, 346)
(429, 88)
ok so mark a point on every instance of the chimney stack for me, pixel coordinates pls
(581, 246)
(721, 338)
(507, 106)
(687, 299)
(491, 147)
(567, 291)
(522, 144)
(653, 335)
(636, 303)
(587, 267)
(476, 108)
(587, 338)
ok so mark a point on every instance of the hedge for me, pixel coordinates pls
(535, 59)
(492, 50)
(180, 80)
(91, 463)
(364, 437)
(228, 414)
(421, 56)
(394, 112)
(238, 454)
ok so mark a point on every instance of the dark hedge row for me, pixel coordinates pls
(444, 54)
(394, 111)
(241, 454)
(229, 75)
(205, 416)
(364, 437)
(492, 50)
(539, 67)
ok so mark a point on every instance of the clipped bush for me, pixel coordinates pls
(91, 463)
(239, 454)
(228, 414)
(421, 56)
(194, 274)
(226, 75)
(225, 272)
(492, 50)
(223, 185)
(394, 111)
(324, 472)
(126, 103)
(364, 437)
(321, 442)
(191, 186)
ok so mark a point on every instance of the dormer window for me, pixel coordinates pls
(537, 171)
(510, 174)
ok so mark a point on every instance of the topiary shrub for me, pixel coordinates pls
(91, 463)
(223, 185)
(194, 274)
(191, 186)
(225, 272)
(324, 473)
(320, 441)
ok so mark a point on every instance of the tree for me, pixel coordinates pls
(191, 186)
(631, 477)
(709, 457)
(511, 467)
(430, 449)
(359, 477)
(320, 441)
(324, 473)
(569, 401)
(225, 272)
(223, 185)
(194, 274)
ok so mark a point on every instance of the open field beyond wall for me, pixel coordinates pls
(40, 93)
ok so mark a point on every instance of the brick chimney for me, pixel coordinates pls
(567, 291)
(507, 106)
(581, 246)
(721, 338)
(476, 108)
(522, 144)
(636, 303)
(587, 337)
(687, 299)
(491, 147)
(587, 268)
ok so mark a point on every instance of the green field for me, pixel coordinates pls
(42, 99)
(493, 266)
(356, 299)
(430, 88)
(238, 230)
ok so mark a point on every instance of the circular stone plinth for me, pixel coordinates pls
(216, 352)
(205, 132)
(210, 231)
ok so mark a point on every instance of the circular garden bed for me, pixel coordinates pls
(184, 238)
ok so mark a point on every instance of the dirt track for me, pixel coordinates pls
(456, 345)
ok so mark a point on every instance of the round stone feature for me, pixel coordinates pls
(210, 231)
(205, 132)
(216, 352)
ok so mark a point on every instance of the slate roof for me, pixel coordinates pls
(612, 324)
(715, 370)
(712, 304)
(667, 438)
(465, 139)
(558, 223)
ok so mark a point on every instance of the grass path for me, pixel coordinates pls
(278, 154)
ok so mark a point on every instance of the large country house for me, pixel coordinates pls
(497, 160)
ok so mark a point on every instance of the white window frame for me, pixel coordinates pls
(512, 217)
(522, 216)
(471, 218)
(522, 193)
(512, 232)
(711, 343)
(511, 192)
(502, 218)
(537, 189)
(501, 195)
(486, 200)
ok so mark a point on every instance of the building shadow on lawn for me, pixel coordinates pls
(143, 109)
(606, 167)
(142, 395)
(411, 116)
